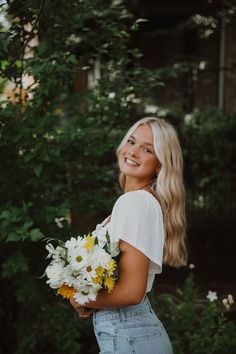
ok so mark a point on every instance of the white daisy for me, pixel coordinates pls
(102, 257)
(77, 254)
(70, 275)
(87, 294)
(89, 273)
(212, 296)
(55, 274)
(58, 253)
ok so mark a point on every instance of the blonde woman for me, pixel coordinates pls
(148, 222)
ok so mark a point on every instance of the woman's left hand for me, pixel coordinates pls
(82, 311)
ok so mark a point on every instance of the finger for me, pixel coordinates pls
(79, 309)
(74, 303)
(84, 312)
(87, 310)
(84, 315)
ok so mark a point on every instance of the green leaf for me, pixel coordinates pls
(13, 265)
(46, 158)
(27, 225)
(38, 169)
(13, 236)
(72, 59)
(4, 214)
(36, 235)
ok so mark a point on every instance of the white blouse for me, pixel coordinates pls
(137, 219)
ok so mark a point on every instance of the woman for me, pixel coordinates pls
(148, 221)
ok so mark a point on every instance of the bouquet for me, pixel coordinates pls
(82, 266)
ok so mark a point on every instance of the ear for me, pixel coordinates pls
(158, 167)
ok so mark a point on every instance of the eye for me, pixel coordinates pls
(147, 150)
(129, 141)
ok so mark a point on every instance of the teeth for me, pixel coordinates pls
(131, 162)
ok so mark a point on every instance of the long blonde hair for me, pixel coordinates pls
(168, 187)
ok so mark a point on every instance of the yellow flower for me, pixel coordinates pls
(90, 243)
(111, 266)
(109, 283)
(100, 271)
(97, 280)
(66, 291)
(100, 274)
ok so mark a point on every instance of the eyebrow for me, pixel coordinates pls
(145, 142)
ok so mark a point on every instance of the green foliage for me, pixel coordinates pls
(208, 145)
(209, 150)
(57, 149)
(210, 134)
(16, 225)
(194, 324)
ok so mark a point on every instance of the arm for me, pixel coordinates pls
(131, 286)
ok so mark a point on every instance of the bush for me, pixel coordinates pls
(195, 324)
(57, 148)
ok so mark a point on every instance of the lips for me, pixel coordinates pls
(130, 162)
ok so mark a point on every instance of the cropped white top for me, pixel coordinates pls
(137, 219)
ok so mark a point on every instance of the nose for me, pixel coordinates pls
(131, 153)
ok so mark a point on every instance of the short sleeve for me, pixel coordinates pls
(137, 219)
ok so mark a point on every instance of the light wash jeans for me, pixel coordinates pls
(133, 329)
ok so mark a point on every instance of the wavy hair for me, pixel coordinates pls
(168, 187)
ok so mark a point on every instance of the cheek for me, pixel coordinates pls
(120, 157)
(123, 150)
(151, 164)
(121, 153)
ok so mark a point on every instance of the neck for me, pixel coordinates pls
(134, 186)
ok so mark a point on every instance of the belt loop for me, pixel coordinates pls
(120, 314)
(149, 305)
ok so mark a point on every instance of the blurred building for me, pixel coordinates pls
(196, 38)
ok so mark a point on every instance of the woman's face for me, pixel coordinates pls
(137, 159)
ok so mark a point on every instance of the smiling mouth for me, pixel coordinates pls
(131, 162)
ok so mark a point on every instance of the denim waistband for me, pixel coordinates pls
(124, 312)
